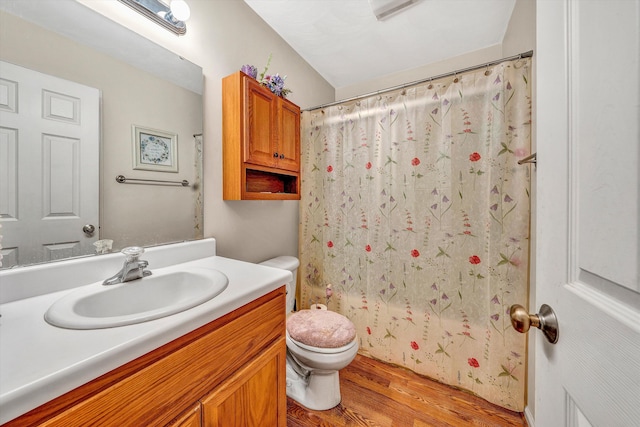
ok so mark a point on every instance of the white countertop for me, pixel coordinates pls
(39, 362)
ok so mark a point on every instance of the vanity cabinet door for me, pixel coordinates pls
(190, 418)
(253, 396)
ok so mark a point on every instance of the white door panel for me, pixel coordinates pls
(49, 142)
(605, 127)
(588, 212)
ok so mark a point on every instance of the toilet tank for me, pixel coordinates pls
(290, 263)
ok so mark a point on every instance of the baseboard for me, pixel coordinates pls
(529, 417)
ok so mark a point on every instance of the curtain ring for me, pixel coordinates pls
(430, 85)
(456, 79)
(518, 64)
(487, 71)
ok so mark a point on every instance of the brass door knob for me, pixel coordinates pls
(545, 320)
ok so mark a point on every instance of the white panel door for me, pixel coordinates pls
(587, 212)
(49, 163)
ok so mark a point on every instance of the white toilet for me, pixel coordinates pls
(319, 344)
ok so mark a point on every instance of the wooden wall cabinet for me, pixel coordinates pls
(230, 372)
(260, 142)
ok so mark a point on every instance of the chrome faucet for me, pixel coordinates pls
(132, 269)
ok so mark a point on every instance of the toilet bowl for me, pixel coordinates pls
(319, 344)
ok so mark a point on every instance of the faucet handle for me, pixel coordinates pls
(133, 252)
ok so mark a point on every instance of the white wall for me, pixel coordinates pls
(521, 31)
(223, 35)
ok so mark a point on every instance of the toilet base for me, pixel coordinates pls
(318, 391)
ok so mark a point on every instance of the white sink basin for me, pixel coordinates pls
(163, 293)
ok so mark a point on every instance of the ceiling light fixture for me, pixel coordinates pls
(384, 9)
(170, 16)
(180, 10)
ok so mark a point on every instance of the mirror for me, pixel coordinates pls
(149, 128)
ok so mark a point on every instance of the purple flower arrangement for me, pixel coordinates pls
(250, 70)
(274, 82)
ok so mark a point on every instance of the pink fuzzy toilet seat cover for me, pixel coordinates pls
(320, 328)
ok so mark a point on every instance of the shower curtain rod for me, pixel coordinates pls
(528, 54)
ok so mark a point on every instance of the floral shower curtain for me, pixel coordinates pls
(416, 212)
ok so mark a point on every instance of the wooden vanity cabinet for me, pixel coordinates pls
(230, 372)
(257, 383)
(261, 142)
(191, 418)
(227, 406)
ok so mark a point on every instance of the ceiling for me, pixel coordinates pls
(346, 44)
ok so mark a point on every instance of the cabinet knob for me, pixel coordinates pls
(282, 156)
(275, 155)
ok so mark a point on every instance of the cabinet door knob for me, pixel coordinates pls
(282, 156)
(275, 155)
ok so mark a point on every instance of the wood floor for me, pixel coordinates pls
(377, 394)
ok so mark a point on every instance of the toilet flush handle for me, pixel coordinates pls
(545, 320)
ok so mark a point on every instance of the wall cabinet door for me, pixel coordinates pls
(251, 397)
(289, 136)
(260, 125)
(272, 129)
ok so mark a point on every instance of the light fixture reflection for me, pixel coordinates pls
(170, 16)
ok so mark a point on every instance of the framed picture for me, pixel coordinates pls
(154, 150)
